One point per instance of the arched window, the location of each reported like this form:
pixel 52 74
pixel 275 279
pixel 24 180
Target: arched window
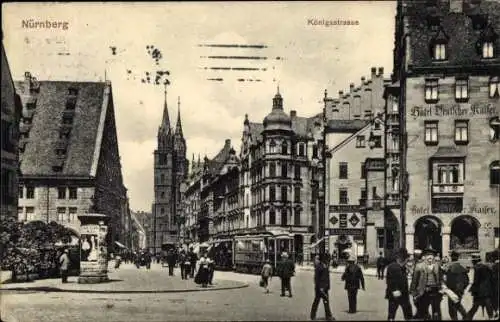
pixel 495 173
pixel 284 148
pixel 272 146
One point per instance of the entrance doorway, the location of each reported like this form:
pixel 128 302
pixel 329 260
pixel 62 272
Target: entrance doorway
pixel 428 234
pixel 464 233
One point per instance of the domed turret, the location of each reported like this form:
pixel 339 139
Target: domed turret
pixel 277 119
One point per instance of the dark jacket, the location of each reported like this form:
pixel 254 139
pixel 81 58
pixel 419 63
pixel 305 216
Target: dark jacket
pixel 380 261
pixel 353 277
pixel 321 277
pixel 482 287
pixel 457 278
pixel 286 268
pixel 396 280
pixel 419 278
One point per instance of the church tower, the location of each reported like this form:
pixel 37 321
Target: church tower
pixel 181 164
pixel 164 184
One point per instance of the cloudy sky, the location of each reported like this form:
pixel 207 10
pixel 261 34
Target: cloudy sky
pixel 301 55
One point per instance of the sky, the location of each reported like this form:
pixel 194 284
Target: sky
pixel 292 49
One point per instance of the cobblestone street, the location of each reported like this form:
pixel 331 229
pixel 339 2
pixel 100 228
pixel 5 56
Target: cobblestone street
pixel 248 303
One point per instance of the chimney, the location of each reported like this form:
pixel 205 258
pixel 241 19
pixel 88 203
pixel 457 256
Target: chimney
pixel 341 93
pixel 380 71
pixel 374 72
pixel 456 6
pixel 293 114
pixel 351 87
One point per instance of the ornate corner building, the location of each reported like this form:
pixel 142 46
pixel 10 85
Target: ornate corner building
pixel 170 171
pixel 443 116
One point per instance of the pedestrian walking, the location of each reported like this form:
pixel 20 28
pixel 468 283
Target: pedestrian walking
pixel 64 261
pixel 211 269
pixel 321 287
pixel 397 291
pixel 286 269
pixel 482 288
pixel 495 284
pixel 380 266
pixel 193 258
pixel 354 280
pixel 426 286
pixel 170 262
pixel 202 275
pixel 182 264
pixel 457 280
pixel 266 275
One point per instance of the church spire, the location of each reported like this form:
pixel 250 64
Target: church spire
pixel 178 127
pixel 165 123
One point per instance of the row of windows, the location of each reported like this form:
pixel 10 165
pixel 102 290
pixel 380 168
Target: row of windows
pixel 376 139
pixel 260 196
pixel 431 131
pixel 62 192
pixel 259 172
pixel 67 214
pixel 344 195
pixel 300 149
pixel 344 173
pixel 461 89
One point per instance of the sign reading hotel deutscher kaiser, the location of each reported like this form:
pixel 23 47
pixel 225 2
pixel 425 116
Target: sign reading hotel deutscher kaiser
pixel 461 110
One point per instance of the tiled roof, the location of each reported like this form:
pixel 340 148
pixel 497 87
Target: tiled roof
pixel 256 130
pixel 463 39
pixel 39 155
pixel 345 125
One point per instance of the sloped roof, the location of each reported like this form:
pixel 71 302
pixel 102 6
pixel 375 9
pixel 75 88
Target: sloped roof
pixel 256 130
pixel 363 129
pixel 39 155
pixel 343 126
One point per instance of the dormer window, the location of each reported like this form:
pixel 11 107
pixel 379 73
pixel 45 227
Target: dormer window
pixel 486 43
pixel 439 51
pixel 494 91
pixel 461 90
pixel 438 45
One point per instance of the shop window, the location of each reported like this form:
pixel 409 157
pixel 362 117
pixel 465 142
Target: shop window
pixel 431 132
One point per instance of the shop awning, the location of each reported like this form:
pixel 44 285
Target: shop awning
pixel 120 244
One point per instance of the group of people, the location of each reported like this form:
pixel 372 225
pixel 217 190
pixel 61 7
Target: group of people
pixel 431 280
pixel 285 270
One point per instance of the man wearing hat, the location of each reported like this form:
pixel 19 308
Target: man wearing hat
pixel 353 277
pixel 457 280
pixel 321 286
pixel 397 292
pixel 286 269
pixel 481 288
pixel 64 262
pixel 426 286
pixel 266 274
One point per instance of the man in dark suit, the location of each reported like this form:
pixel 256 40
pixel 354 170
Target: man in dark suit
pixel 286 269
pixel 353 277
pixel 321 287
pixel 397 291
pixel 380 266
pixel 457 280
pixel 481 288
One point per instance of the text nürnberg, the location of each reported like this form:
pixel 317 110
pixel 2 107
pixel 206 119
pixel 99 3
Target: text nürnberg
pixel 44 24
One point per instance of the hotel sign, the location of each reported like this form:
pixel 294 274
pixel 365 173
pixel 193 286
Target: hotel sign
pixel 460 110
pixel 485 210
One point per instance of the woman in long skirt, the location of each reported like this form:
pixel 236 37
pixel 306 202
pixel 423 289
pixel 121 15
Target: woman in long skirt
pixel 203 271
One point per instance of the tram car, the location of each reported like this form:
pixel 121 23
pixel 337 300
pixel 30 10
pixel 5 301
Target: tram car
pixel 222 254
pixel 250 251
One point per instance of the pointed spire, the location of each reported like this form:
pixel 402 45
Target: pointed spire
pixel 278 100
pixel 178 127
pixel 165 123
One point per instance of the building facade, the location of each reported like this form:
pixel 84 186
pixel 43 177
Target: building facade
pixel 69 156
pixel 145 224
pixel 447 68
pixel 349 192
pixel 11 114
pixel 170 171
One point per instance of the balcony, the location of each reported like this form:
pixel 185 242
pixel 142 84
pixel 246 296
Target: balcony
pixel 448 188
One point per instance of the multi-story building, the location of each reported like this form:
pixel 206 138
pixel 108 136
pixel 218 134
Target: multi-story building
pixel 11 114
pixel 145 220
pixel 170 170
pixel 281 177
pixel 192 203
pixel 138 234
pixel 354 135
pixel 447 68
pixel 69 156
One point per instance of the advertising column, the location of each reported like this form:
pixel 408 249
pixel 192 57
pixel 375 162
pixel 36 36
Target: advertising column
pixel 93 249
